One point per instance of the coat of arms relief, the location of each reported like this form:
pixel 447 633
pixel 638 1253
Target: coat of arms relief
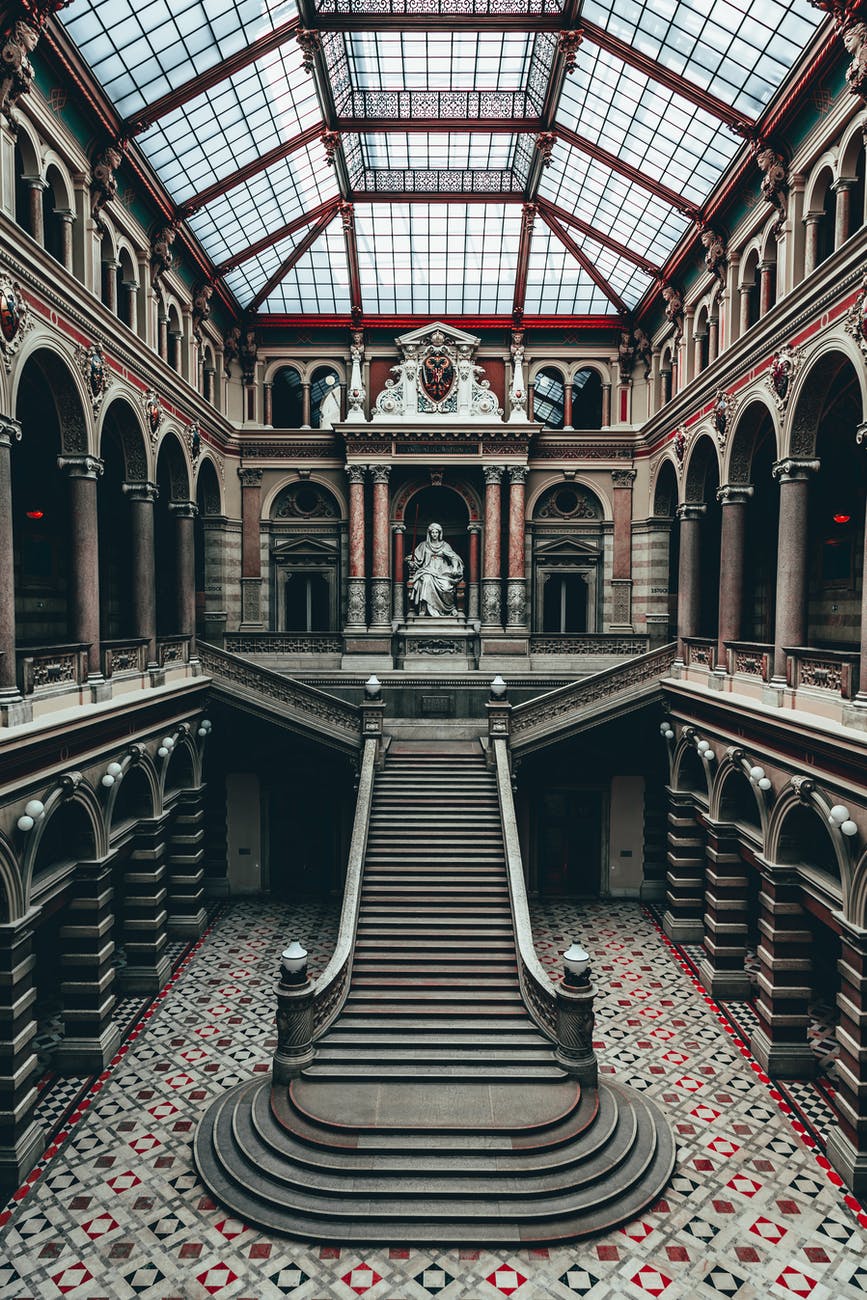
pixel 437 376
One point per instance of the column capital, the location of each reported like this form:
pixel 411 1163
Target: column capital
pixel 355 473
pixel 140 491
pixel 844 183
pixel 398 528
pixel 250 477
pixel 81 466
pixel 183 509
pixel 266 384
pixel 794 469
pixel 493 473
pixel 860 433
pixel 518 474
pixel 691 510
pixel 734 493
pixel 379 473
pixel 474 529
pixel 623 478
pixel 10 430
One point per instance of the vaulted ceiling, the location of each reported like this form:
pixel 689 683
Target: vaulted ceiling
pixel 380 154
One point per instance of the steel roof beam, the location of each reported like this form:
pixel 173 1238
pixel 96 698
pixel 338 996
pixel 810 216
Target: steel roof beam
pixel 528 220
pixel 275 236
pixel 613 245
pixel 252 168
pixel 583 261
pixel 306 242
pixel 626 170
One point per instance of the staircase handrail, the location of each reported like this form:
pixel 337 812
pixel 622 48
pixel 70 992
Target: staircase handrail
pixel 323 713
pixel 563 703
pixel 332 986
pixel 537 990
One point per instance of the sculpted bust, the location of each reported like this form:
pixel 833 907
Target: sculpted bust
pixel 435 571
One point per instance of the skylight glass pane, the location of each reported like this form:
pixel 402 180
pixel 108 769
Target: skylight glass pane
pixel 624 276
pixel 320 281
pixel 230 125
pixel 611 204
pixel 439 60
pixel 246 280
pixel 140 52
pixel 438 8
pixel 273 198
pixel 438 258
pixel 556 284
pixel 740 50
pixel 660 133
pixel 456 150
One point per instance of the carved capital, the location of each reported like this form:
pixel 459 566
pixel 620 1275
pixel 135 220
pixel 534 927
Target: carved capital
pixel 10 431
pixel 474 529
pixel 794 469
pixel 545 142
pixel 493 473
pixel 141 491
pixel 355 473
pixel 804 787
pixel 183 509
pixel 691 510
pixel 518 474
pixel 623 478
pixel 734 493
pixel 568 44
pixel 250 477
pixel 398 528
pixel 380 473
pixel 81 466
pixel 310 43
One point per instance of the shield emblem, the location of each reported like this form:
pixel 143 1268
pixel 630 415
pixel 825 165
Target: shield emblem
pixel 153 413
pixel 780 378
pixel 96 373
pixel 10 316
pixel 862 320
pixel 437 375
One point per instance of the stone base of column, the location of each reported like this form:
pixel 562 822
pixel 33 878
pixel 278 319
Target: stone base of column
pixel 157 676
pixel 14 709
pixel 726 985
pixel 652 891
pixel 492 618
pixel 17 1160
pixel 397 602
pixel 192 925
pixel 86 1055
pixel 143 979
pixel 682 929
pixel 99 689
pixel 783 1060
pixel 621 613
pixel 356 605
pixel 380 605
pixel 251 605
pixel 473 601
pixel 516 604
pixel 849 1162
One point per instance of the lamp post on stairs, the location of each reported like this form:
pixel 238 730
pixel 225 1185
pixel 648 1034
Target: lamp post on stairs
pixel 575 1018
pixel 294 1016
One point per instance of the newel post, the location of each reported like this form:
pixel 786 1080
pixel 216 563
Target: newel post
pixel 294 1016
pixel 576 1019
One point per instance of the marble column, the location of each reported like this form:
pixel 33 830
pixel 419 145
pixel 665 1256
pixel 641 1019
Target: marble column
pixel 665 383
pixel 698 353
pixel 780 1043
pixel 82 473
pixel 733 498
pixel 745 292
pixel 606 405
pixel 531 401
pixel 712 339
pixel 130 313
pixel 208 373
pixel 12 706
pixel 399 574
pixel 726 919
pixel 110 273
pixel 862 685
pixel 251 550
pixel 269 406
pixel 791 620
pixel 305 406
pixel 90 1036
pixel 474 531
pixel 147 966
pixel 492 576
pixel 683 920
pixel 847 1145
pixel 141 504
pixel 812 222
pixel 22 1141
pixel 689 572
pixel 516 590
pixel 567 405
pixel 163 337
pixel 185 541
pixel 35 189
pixel 186 852
pixel 66 220
pixel 621 615
pixel 766 284
pixel 356 601
pixel 174 357
pixel 380 577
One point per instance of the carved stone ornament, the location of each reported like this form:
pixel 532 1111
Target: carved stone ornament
pixel 202 307
pixel 724 409
pixel 437 376
pixel 17 70
pixel 194 441
pixel 781 372
pixel 103 185
pixel 804 787
pixel 95 372
pixel 715 255
pixel 673 308
pixel 231 347
pixel 161 257
pixel 856 318
pixel 643 349
pixel 153 414
pixel 775 179
pixel 849 19
pixel 15 318
pixel 681 442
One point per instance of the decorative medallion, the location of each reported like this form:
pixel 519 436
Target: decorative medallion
pixel 724 408
pixel 153 414
pixel 781 373
pixel 194 441
pixel 856 318
pixel 97 377
pixel 15 318
pixel 437 373
pixel 681 440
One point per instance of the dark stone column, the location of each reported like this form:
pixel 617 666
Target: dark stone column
pixel 187 916
pixel 82 473
pixel 847 1146
pixel 251 554
pixel 12 707
pixel 621 615
pixel 733 498
pixel 683 920
pixel 861 437
pixel 399 576
pixel 780 1044
pixel 474 531
pixel 791 624
pixel 21 1139
pixel 492 576
pixel 185 540
pixel 147 966
pixel 90 1036
pixel 726 918
pixel 141 504
pixel 689 572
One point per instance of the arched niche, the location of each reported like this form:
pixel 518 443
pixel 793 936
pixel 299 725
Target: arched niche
pixel 690 773
pixel 736 800
pixel 180 769
pixel 751 456
pixel 586 399
pixel 665 549
pixel 568 548
pixel 287 399
pixel 701 487
pixel 802 839
pixel 305 550
pixel 173 484
pixel 322 380
pixel 134 801
pixel 549 397
pixel 69 835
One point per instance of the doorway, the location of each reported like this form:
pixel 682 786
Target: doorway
pixel 569 843
pixel 565 604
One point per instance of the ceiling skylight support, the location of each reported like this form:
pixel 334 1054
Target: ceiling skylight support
pixel 528 219
pixel 249 169
pixel 347 213
pixel 626 169
pixel 276 236
pixel 613 245
pixel 294 257
pixel 583 260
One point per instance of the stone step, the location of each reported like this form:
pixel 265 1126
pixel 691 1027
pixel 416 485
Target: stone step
pixel 477 1071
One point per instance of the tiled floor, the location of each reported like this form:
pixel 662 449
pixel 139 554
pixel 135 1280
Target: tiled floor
pixel 116 1210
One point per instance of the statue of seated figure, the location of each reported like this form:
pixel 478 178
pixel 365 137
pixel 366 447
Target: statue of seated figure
pixel 434 571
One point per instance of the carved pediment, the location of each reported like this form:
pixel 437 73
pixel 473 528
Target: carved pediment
pixel 564 548
pixel 306 546
pixel 437 378
pixel 423 334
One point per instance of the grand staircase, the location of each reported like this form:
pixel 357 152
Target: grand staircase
pixel 434 1110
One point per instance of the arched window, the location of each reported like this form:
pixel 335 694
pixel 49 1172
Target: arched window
pixel 587 400
pixel 548 398
pixel 321 381
pixel 287 399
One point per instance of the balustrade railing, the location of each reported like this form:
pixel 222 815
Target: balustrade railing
pixel 589 643
pixel 700 652
pixel 172 650
pixel 834 671
pixel 46 669
pixel 123 657
pixel 749 659
pixel 283 643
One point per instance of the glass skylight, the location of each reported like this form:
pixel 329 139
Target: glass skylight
pixel 556 284
pixel 276 196
pixel 228 126
pixel 430 259
pixel 141 51
pixel 660 133
pixel 740 50
pixel 417 60
pixel 246 280
pixel 319 282
pixel 453 149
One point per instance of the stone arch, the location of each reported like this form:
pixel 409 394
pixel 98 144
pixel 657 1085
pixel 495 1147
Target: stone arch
pixel 799 822
pixel 688 772
pixel 134 797
pixel 597 500
pixel 66 387
pixel 734 799
pixel 182 768
pixel 172 460
pixel 750 258
pixel 738 460
pixel 856 907
pixel 851 148
pixel 459 486
pixel 209 487
pixel 701 462
pixel 664 498
pixel 812 390
pixel 769 242
pixel 11 883
pixel 75 801
pixel 59 181
pixel 269 498
pixel 27 141
pixel 121 418
pixel 820 181
pixel 287 502
pixel 599 367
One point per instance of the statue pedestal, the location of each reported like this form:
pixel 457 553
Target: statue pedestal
pixel 437 644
